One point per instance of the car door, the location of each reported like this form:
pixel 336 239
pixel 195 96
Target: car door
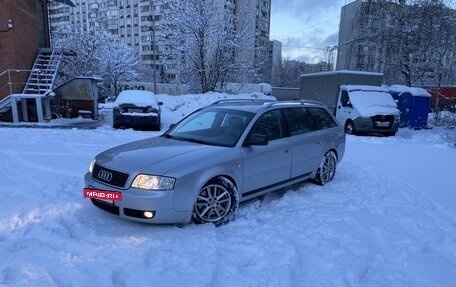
pixel 268 165
pixel 344 108
pixel 305 141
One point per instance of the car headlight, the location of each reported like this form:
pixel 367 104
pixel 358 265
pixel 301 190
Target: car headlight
pixel 153 182
pixel 151 110
pixel 92 164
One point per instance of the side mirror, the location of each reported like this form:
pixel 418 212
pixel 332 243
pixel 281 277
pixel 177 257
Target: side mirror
pixel 256 139
pixel 160 103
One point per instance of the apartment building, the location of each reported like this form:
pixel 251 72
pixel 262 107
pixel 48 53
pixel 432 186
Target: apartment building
pixel 137 23
pixel 275 60
pixel 372 37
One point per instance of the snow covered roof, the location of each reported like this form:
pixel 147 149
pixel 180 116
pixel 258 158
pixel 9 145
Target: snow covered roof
pixel 342 72
pixel 414 91
pixel 364 88
pixel 136 97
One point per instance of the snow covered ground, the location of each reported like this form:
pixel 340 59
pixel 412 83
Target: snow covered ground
pixel 387 219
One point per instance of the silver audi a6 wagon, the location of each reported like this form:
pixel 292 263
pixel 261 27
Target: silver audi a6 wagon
pixel 218 156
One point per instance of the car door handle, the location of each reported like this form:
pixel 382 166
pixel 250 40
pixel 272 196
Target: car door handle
pixel 287 151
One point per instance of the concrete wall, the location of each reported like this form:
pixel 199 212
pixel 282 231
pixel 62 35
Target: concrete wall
pixel 283 94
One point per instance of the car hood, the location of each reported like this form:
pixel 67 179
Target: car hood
pixel 155 155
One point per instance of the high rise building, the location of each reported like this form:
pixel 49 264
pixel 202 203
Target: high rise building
pixel 409 44
pixel 275 61
pixel 136 22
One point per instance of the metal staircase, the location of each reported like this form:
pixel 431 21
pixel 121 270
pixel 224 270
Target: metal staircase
pixel 44 71
pixel 5 104
pixel 39 86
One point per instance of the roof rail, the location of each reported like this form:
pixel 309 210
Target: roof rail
pixel 244 101
pixel 297 102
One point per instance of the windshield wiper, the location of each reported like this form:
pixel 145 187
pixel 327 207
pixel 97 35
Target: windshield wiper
pixel 167 136
pixel 192 140
pixel 186 139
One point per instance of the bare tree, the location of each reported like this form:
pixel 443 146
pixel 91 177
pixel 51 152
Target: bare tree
pixel 118 63
pixel 97 53
pixel 418 38
pixel 288 74
pixel 208 38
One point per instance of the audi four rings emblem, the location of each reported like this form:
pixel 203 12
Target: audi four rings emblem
pixel 104 175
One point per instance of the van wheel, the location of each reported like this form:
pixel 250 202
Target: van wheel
pixel 327 168
pixel 217 202
pixel 349 127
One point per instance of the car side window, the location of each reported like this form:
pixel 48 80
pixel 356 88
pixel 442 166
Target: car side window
pixel 322 118
pixel 299 121
pixel 270 124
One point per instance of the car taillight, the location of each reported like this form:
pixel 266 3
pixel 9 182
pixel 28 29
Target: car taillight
pixel 121 109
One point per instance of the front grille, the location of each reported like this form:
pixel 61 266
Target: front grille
pixel 109 176
pixel 382 122
pixel 106 206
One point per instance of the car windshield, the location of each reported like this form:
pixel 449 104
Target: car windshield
pixel 219 127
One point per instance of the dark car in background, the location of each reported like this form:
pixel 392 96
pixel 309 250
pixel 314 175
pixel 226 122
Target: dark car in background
pixel 136 109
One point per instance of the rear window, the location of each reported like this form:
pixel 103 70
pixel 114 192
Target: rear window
pixel 299 121
pixel 137 98
pixel 322 118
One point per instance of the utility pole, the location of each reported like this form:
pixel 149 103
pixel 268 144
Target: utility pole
pixel 152 2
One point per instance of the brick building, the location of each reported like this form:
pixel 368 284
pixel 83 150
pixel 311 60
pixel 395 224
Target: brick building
pixel 23 29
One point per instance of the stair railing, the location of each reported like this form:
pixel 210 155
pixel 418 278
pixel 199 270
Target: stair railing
pixel 9 80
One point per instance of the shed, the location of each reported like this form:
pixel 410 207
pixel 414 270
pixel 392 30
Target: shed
pixel 413 104
pixel 78 97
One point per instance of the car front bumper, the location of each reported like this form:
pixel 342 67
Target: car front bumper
pixel 136 120
pixel 136 201
pixel 366 125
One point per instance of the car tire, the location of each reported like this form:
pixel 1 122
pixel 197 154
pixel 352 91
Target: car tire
pixel 216 203
pixel 350 128
pixel 115 126
pixel 326 169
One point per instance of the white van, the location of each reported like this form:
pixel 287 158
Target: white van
pixel 368 109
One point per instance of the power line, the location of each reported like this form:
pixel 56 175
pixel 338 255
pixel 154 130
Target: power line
pixel 303 47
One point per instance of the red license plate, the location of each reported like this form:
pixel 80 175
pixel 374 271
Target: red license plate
pixel 104 195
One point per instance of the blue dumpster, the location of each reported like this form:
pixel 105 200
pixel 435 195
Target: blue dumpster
pixel 413 104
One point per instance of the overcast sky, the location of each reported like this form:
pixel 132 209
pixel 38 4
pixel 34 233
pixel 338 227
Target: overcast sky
pixel 305 27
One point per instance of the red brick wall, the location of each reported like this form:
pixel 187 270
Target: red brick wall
pixel 18 46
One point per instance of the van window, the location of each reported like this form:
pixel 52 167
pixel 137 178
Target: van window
pixel 322 118
pixel 299 121
pixel 345 99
